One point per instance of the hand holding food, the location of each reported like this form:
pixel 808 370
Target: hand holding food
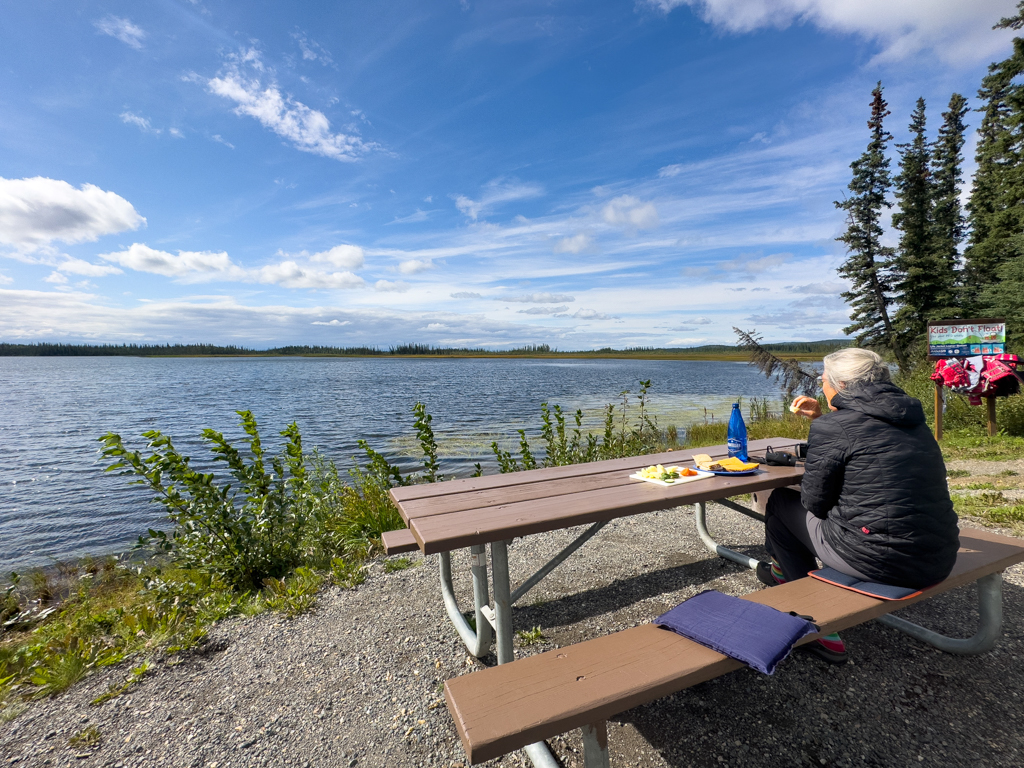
pixel 806 406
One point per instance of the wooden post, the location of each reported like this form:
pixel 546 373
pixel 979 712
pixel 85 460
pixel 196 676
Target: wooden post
pixel 991 403
pixel 938 410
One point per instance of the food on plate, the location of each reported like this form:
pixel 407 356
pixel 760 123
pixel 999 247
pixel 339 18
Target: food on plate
pixel 665 474
pixel 731 464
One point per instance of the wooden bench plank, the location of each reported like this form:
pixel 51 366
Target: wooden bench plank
pixel 397 541
pixel 503 708
pixel 445 532
pixel 463 485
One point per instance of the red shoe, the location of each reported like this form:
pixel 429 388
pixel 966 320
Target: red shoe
pixel 829 648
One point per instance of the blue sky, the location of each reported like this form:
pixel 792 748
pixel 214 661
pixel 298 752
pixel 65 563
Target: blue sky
pixel 483 174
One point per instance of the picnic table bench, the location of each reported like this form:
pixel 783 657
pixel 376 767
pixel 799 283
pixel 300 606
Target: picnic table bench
pixel 507 707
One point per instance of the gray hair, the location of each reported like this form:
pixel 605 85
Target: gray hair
pixel 852 366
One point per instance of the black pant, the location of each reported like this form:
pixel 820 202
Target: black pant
pixel 794 537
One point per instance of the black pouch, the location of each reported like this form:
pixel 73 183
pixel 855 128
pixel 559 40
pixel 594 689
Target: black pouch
pixel 779 459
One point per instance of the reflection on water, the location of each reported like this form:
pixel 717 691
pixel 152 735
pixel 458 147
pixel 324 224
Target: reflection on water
pixel 55 500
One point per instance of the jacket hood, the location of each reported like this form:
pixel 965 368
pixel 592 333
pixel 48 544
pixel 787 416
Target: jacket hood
pixel 881 400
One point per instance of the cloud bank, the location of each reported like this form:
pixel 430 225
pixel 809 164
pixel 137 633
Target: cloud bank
pixel 35 212
pixel 955 30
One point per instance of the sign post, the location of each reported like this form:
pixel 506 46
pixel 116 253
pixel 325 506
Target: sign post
pixel 965 338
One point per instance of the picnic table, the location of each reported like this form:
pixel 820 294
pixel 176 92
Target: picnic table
pixel 490 511
pixel 507 707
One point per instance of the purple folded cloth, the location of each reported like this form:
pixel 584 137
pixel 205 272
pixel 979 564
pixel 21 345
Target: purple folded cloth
pixel 755 634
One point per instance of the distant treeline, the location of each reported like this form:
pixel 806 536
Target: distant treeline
pixel 800 348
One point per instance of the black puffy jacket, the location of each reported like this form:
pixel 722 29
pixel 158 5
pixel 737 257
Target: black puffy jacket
pixel 875 475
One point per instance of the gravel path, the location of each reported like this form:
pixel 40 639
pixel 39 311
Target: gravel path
pixel 357 682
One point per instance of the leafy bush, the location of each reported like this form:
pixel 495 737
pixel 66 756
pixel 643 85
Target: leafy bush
pixel 295 595
pixel 243 537
pixel 1010 415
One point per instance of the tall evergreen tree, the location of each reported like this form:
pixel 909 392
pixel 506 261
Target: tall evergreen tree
pixel 996 207
pixel 948 224
pixel 917 281
pixel 868 262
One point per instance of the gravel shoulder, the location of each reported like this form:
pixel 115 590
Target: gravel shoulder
pixel 357 682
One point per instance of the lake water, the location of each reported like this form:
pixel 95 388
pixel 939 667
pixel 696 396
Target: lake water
pixel 56 502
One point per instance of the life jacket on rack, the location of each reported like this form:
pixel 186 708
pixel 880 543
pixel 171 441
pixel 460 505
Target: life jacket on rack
pixel 980 376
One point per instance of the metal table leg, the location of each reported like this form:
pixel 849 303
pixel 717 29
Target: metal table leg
pixel 478 641
pixel 702 528
pixel 538 752
pixel 990 609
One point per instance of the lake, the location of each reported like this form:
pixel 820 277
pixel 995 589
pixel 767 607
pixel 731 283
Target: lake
pixel 56 502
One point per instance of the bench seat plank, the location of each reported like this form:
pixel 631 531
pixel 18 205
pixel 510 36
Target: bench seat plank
pixel 503 708
pixel 398 541
pixel 454 530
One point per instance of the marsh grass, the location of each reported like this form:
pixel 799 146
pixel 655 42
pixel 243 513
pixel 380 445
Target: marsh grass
pixel 991 506
pixel 398 564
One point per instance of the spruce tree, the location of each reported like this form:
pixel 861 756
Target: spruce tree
pixel 917 279
pixel 996 207
pixel 868 262
pixel 948 224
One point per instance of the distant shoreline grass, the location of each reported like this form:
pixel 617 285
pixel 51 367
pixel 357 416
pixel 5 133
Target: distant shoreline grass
pixel 805 351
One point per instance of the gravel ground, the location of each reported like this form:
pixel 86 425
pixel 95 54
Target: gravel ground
pixel 358 681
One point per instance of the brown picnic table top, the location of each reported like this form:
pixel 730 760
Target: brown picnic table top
pixel 479 510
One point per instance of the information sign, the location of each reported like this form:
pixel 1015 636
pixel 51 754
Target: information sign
pixel 964 338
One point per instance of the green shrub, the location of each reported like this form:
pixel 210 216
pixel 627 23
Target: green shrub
pixel 244 536
pixel 293 596
pixel 1010 415
pixel 347 574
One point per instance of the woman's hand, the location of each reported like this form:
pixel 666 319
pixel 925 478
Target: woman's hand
pixel 806 406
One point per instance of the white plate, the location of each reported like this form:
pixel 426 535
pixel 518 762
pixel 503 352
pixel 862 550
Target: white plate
pixel 701 474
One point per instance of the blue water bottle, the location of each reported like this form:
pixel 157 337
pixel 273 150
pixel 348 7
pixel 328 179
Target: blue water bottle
pixel 737 435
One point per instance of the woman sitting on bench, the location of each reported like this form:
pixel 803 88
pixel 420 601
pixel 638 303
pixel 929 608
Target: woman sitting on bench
pixel 874 502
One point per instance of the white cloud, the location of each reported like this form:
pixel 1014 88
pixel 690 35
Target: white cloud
pixel 308 129
pixel 193 265
pixel 176 133
pixel 387 286
pixel 142 123
pixel 291 275
pixel 466 295
pixel 341 256
pixel 37 211
pixel 754 265
pixel 56 278
pixel 590 314
pixel 543 310
pixel 217 137
pixel 336 323
pixel 575 244
pixel 630 212
pixel 415 266
pixel 669 171
pixel 829 288
pixel 122 29
pixel 312 50
pixel 205 266
pixel 538 298
pixel 955 30
pixel 82 267
pixel 5 279
pixel 494 193
pixel 412 218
